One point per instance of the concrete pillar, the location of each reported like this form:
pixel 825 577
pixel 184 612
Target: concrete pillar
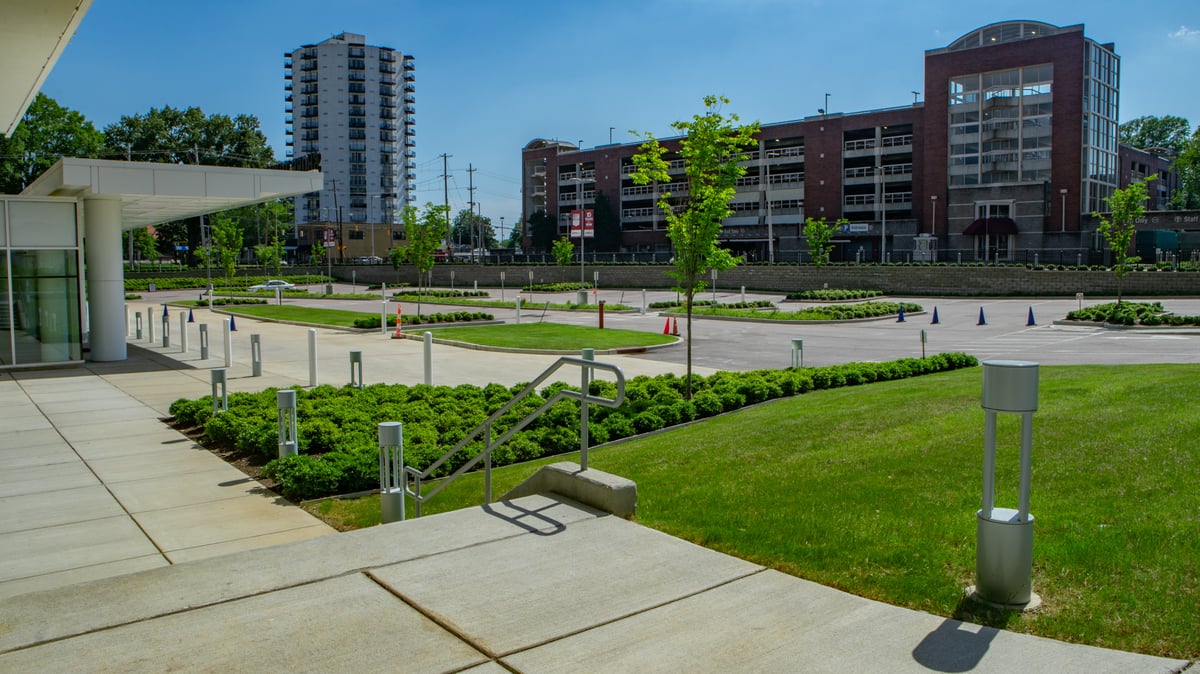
pixel 105 278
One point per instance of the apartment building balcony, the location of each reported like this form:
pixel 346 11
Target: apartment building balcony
pixel 387 68
pixel 287 107
pixel 308 66
pixel 410 98
pixel 309 113
pixel 310 53
pixel 410 110
pixel 412 165
pixel 410 142
pixel 410 153
pixel 308 77
pixel 409 76
pixel 387 55
pixel 410 131
pixel 410 63
pixel 356 76
pixel 310 148
pixel 387 90
pixel 287 61
pixel 287 86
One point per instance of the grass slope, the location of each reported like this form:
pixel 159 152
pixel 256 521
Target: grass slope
pixel 874 489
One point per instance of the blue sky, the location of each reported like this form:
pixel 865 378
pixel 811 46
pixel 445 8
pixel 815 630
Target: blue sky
pixel 493 75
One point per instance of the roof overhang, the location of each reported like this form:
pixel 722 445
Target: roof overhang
pixel 32 36
pixel 989 226
pixel 153 193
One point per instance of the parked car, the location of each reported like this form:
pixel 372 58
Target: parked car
pixel 272 285
pixel 368 259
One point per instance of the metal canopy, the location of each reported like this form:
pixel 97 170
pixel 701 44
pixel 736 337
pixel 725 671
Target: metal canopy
pixel 33 35
pixel 152 193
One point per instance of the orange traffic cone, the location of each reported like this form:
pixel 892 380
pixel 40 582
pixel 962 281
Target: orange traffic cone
pixel 399 320
pixel 667 326
pixel 675 330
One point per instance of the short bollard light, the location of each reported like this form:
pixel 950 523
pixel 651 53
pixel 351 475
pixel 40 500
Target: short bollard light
pixel 220 390
pixel 137 320
pixel 204 341
pixel 518 309
pixel 356 369
pixel 255 355
pixel 391 471
pixel 150 326
pixel 166 336
pixel 428 359
pixel 1004 537
pixel 797 352
pixel 289 445
pixel 312 356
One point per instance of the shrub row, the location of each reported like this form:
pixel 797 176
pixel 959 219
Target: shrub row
pixel 829 312
pixel 432 292
pixel 412 319
pixel 753 304
pixel 1131 313
pixel 557 287
pixel 338 426
pixel 834 295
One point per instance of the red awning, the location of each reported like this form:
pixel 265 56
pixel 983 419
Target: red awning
pixel 990 226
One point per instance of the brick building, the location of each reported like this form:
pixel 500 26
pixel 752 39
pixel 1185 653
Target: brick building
pixel 1014 145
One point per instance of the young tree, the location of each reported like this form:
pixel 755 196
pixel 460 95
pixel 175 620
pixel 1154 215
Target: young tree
pixel 820 238
pixel 317 253
pixel 145 245
pixel 563 250
pixel 47 133
pixel 424 233
pixel 226 244
pixel 1125 207
pixel 712 146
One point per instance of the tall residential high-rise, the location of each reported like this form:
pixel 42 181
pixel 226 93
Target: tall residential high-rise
pixel 354 106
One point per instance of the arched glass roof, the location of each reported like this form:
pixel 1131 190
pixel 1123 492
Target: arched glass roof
pixel 1006 31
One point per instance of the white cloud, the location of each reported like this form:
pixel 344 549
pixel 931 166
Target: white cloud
pixel 1185 33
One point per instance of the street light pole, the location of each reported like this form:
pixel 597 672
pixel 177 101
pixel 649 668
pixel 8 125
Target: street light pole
pixel 582 238
pixel 1063 208
pixel 933 218
pixel 883 215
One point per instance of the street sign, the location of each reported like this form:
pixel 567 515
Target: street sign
pixel 329 240
pixel 181 247
pixel 589 224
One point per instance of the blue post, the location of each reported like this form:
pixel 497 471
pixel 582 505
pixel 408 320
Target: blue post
pixel 1030 321
pixel 982 320
pixel 935 320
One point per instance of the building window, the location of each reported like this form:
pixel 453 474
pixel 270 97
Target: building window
pixel 999 126
pixel 356 234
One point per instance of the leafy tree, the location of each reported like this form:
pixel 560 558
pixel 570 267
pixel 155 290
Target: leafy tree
pixel 46 133
pixel 563 250
pixel 1125 207
pixel 317 253
pixel 1187 165
pixel 712 146
pixel 467 226
pixel 1169 132
pixel 542 231
pixel 226 244
pixel 145 245
pixel 820 238
pixel 424 234
pixel 188 136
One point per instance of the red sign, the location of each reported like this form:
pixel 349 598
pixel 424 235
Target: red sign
pixel 329 242
pixel 589 224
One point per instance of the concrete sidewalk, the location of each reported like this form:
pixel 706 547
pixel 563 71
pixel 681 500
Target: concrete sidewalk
pixel 537 584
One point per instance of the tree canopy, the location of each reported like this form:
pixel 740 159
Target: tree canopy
pixel 466 230
pixel 188 136
pixel 542 231
pixel 1187 165
pixel 712 147
pixel 1148 132
pixel 46 132
pixel 1125 206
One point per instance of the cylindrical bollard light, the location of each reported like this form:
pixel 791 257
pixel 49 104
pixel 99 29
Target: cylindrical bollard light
pixel 255 355
pixel 1004 536
pixel 150 325
pixel 518 309
pixel 429 359
pixel 391 471
pixel 289 444
pixel 797 352
pixel 643 300
pixel 743 294
pixel 383 314
pixel 228 341
pixel 312 357
pixel 220 390
pixel 204 341
pixel 137 320
pixel 166 336
pixel 356 369
pixel 183 336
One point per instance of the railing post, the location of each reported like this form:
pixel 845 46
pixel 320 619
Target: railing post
pixel 288 442
pixel 585 381
pixel 391 472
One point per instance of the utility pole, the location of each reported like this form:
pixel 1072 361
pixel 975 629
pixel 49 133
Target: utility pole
pixel 446 197
pixel 471 205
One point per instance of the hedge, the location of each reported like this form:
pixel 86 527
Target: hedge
pixel 413 319
pixel 338 426
pixel 834 295
pixel 1131 313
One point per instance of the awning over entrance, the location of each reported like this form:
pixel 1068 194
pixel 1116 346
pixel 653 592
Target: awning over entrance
pixel 152 193
pixel 991 227
pixel 32 37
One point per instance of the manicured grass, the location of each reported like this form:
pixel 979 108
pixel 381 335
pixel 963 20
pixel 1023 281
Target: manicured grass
pixel 874 489
pixel 830 312
pixel 497 304
pixel 552 336
pixel 332 317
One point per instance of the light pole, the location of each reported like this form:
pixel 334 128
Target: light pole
pixel 1063 209
pixel 883 215
pixel 933 218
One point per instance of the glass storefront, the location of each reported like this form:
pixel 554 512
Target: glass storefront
pixel 39 283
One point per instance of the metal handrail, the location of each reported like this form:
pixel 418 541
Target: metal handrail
pixel 585 398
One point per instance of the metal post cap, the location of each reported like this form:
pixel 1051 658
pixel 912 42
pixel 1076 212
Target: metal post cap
pixel 286 398
pixel 391 434
pixel 1010 386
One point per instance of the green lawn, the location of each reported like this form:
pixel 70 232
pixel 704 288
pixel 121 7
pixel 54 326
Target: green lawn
pixel 553 336
pixel 507 304
pixel 332 317
pixel 873 490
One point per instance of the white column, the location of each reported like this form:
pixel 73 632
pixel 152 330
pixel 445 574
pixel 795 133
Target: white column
pixel 105 278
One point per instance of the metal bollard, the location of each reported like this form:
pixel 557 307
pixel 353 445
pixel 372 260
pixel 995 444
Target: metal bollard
pixel 183 336
pixel 137 320
pixel 391 471
pixel 255 355
pixel 1004 537
pixel 166 337
pixel 643 301
pixel 797 352
pixel 518 309
pixel 220 390
pixel 150 326
pixel 288 443
pixel 356 369
pixel 743 294
pixel 204 341
pixel 312 356
pixel 227 339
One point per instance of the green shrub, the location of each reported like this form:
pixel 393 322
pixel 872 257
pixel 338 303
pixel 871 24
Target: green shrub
pixel 833 295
